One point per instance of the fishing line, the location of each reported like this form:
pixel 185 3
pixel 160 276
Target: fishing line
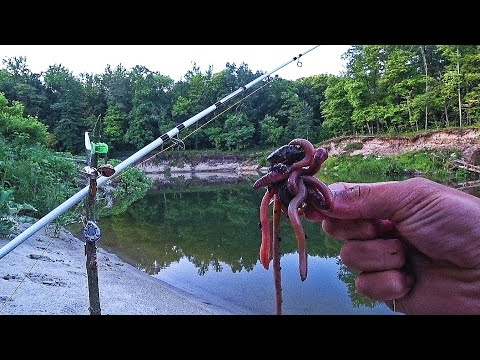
pixel 76 198
pixel 177 141
pixel 197 129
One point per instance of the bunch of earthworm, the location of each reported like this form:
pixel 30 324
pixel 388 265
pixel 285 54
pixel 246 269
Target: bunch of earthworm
pixel 291 184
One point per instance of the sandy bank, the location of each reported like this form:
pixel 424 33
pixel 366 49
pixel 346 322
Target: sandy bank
pixel 57 283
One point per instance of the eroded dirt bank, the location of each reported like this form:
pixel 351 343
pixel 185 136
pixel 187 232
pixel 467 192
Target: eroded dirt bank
pixel 465 140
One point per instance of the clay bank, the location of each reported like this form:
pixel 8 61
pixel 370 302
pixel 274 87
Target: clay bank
pixel 178 165
pixel 467 140
pixel 203 169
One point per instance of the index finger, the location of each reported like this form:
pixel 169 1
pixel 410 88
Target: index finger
pixel 382 200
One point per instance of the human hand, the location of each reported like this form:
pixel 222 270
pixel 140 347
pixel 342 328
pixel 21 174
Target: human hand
pixel 414 241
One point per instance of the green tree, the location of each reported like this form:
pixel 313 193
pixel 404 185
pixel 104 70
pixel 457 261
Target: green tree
pixel 470 65
pixel 270 131
pixel 238 132
pixel 150 106
pixel 113 127
pixel 18 83
pixel 312 91
pixel 118 91
pixel 366 65
pixel 295 115
pixel 15 126
pixel 216 137
pixel 401 82
pixel 191 96
pixel 388 88
pixel 95 98
pixel 67 101
pixel 337 109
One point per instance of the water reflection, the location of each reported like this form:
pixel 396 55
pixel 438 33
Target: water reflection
pixel 277 255
pixel 215 231
pixel 205 239
pixel 207 226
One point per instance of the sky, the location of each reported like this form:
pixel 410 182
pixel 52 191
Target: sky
pixel 176 60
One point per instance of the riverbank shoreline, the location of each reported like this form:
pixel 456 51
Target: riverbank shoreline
pixel 46 275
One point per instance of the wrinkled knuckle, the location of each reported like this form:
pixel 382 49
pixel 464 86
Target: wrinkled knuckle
pixel 348 254
pixel 362 285
pixel 329 227
pixel 395 285
pixel 371 231
pixel 405 286
pixel 393 256
pixel 398 284
pixel 398 254
pixel 419 183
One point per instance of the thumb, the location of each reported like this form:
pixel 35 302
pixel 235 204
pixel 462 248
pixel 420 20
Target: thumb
pixel 391 200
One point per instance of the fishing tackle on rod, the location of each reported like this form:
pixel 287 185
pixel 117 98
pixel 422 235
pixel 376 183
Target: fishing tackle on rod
pixel 65 206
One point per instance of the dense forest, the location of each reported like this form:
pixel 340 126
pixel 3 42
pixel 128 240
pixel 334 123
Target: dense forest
pixel 383 89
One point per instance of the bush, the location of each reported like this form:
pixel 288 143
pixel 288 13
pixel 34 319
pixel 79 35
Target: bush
pixel 125 189
pixel 25 129
pixel 10 212
pixel 38 175
pixel 43 178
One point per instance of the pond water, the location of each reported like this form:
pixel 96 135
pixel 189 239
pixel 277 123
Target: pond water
pixel 205 240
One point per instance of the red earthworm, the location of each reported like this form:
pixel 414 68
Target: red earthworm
pixel 309 152
pixel 293 207
pixel 266 246
pixel 312 181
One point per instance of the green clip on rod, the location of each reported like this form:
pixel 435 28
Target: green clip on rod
pixel 134 158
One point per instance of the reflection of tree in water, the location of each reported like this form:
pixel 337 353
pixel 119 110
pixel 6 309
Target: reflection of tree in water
pixel 202 269
pixel 348 277
pixel 213 227
pixel 210 228
pixel 203 266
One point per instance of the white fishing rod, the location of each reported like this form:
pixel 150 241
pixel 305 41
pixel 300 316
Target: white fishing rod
pixel 59 210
